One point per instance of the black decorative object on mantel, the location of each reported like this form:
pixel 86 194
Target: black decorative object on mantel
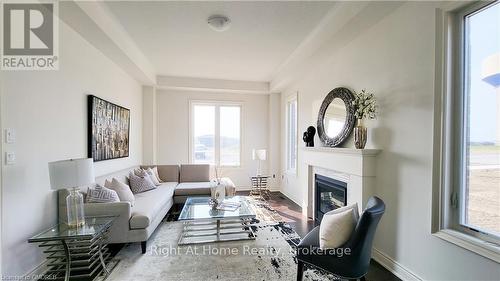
pixel 309 136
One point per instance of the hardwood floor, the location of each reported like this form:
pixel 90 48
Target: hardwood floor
pixel 292 214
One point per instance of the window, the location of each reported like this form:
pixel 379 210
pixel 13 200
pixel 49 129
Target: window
pixel 467 178
pixel 291 118
pixel 229 135
pixel 479 145
pixel 215 133
pixel 204 134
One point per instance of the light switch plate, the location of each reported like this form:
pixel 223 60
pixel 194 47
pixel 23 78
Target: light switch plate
pixel 10 158
pixel 10 136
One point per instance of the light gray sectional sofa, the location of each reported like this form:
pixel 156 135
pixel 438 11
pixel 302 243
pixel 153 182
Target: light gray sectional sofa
pixel 136 223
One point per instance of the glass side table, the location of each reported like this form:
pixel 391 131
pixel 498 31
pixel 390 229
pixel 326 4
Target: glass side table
pixel 76 253
pixel 259 187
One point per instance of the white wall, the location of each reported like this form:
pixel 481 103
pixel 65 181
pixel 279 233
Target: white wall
pixel 47 109
pixel 149 125
pixel 173 130
pixel 274 153
pixel 394 58
pixel 1 171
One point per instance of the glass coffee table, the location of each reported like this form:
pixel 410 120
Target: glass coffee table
pixel 205 224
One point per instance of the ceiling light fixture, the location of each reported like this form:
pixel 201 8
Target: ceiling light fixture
pixel 219 23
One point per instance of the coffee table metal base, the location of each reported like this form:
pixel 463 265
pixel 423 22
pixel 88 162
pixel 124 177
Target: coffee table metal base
pixel 220 230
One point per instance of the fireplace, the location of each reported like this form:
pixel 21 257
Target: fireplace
pixel 330 194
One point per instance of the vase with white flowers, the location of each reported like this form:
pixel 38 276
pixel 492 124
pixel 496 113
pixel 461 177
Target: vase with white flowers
pixel 365 107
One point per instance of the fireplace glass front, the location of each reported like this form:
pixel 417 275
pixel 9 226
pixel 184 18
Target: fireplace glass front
pixel 330 195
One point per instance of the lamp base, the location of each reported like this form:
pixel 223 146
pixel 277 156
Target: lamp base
pixel 74 207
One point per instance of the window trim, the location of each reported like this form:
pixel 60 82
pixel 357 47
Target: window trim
pixel 217 104
pixel 291 99
pixel 449 74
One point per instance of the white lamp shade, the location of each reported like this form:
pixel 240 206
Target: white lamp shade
pixel 259 154
pixel 71 173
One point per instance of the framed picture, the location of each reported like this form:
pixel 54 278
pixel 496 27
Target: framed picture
pixel 108 130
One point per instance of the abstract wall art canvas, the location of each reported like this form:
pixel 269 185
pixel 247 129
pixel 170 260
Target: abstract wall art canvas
pixel 108 130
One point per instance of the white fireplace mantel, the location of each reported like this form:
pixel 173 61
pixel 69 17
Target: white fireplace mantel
pixel 356 167
pixel 354 151
pixel 353 161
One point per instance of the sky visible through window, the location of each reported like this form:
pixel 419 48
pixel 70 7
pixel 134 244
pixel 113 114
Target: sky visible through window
pixel 205 124
pixel 484 30
pixel 204 120
pixel 482 190
pixel 216 132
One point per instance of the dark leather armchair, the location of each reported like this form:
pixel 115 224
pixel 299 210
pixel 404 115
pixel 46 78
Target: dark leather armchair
pixel 352 265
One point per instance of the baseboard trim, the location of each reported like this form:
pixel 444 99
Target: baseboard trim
pixel 393 266
pixel 247 188
pixel 289 198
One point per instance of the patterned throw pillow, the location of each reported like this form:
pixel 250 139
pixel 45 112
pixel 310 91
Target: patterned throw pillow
pixel 153 177
pixel 140 173
pixel 140 184
pixel 101 194
pixel 123 190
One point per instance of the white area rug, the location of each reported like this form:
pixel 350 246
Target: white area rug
pixel 269 257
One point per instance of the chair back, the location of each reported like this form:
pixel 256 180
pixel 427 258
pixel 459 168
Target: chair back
pixel 362 239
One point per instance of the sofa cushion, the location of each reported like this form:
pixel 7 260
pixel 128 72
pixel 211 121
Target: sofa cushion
pixel 148 204
pixel 194 188
pixel 167 173
pixel 195 173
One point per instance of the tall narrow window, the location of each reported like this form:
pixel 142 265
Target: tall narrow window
pixel 215 133
pixel 479 193
pixel 204 134
pixel 292 135
pixel 229 135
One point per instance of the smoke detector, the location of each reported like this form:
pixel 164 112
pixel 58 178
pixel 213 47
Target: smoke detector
pixel 219 23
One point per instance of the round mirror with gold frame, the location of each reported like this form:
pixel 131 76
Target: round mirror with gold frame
pixel 336 117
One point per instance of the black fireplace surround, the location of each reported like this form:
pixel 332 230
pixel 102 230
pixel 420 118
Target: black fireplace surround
pixel 330 195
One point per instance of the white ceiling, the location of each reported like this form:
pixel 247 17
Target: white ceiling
pixel 175 38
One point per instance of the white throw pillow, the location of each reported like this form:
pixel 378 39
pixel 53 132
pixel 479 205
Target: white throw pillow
pixel 337 226
pixel 153 177
pixel 155 171
pixel 123 190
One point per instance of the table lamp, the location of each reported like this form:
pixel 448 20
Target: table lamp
pixel 260 155
pixel 72 174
